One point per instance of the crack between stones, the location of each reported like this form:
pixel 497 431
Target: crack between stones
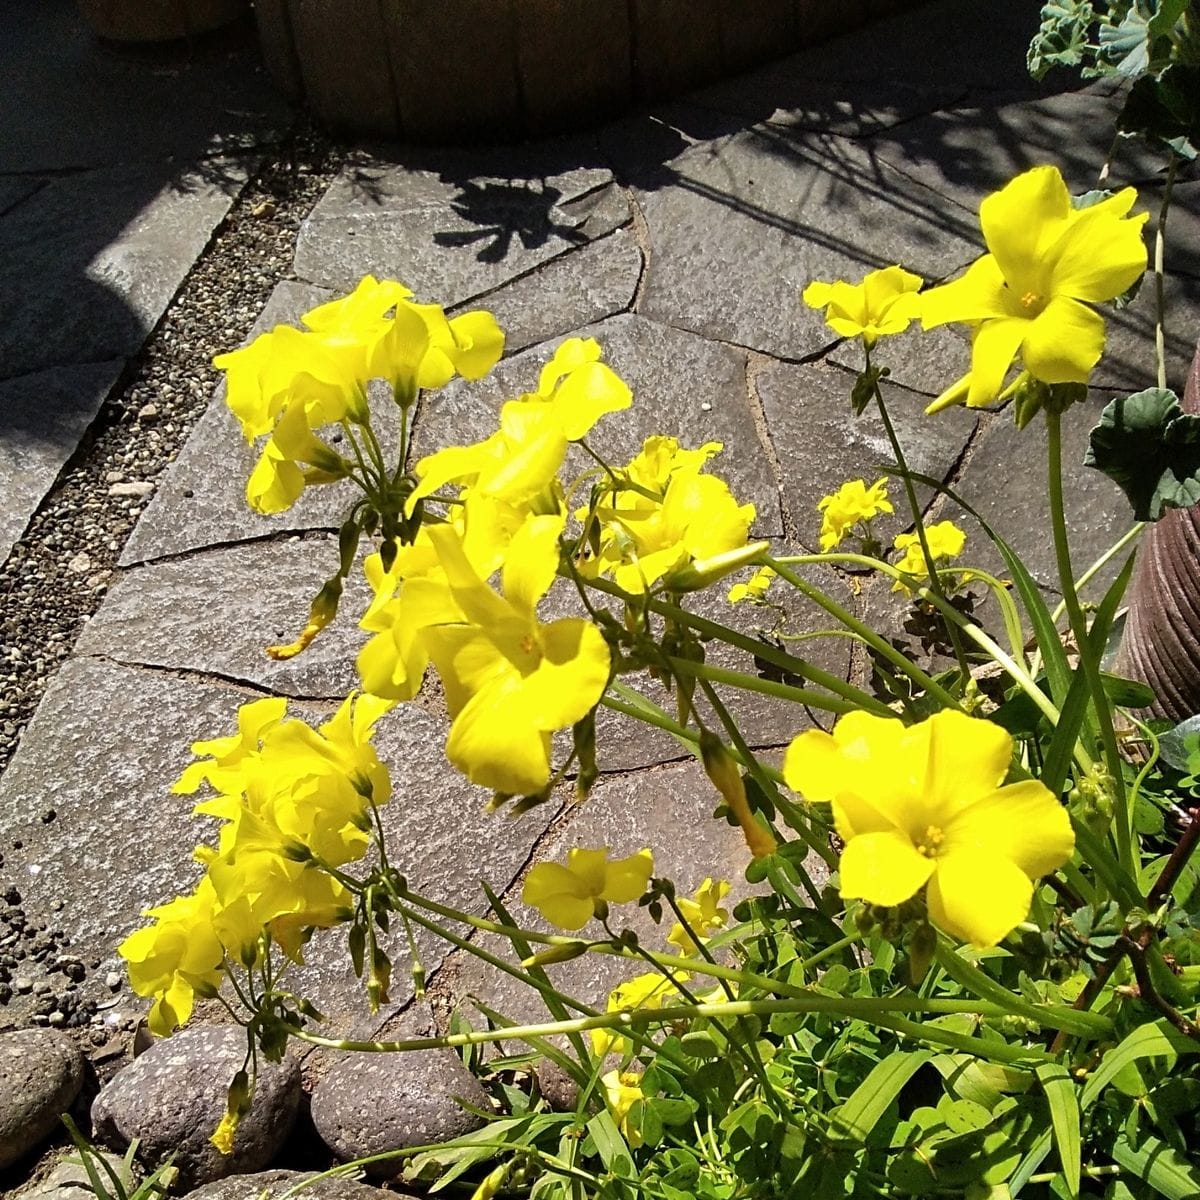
pixel 313 534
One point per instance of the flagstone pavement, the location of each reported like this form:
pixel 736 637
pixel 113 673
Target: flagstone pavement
pixel 678 237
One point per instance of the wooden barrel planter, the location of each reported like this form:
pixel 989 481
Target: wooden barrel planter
pixel 158 20
pixel 469 70
pixel 1161 646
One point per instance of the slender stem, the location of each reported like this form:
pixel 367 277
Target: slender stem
pixel 1160 329
pixel 765 687
pixel 918 516
pixel 877 643
pixel 764 650
pixel 1087 658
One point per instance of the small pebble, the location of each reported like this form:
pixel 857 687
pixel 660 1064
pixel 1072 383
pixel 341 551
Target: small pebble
pixel 112 981
pixel 137 487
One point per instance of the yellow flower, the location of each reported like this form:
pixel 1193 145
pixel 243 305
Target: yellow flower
pixel 567 896
pixel 923 807
pixel 510 680
pixel 1030 295
pixel 622 1090
pixel 518 462
pixel 755 588
pixel 703 913
pixel 945 540
pixel 673 522
pixel 883 303
pixel 292 458
pixel 851 504
pixel 176 958
pixel 223 1136
pixel 651 990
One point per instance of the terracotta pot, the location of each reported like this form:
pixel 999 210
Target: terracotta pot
pixel 1162 632
pixel 158 20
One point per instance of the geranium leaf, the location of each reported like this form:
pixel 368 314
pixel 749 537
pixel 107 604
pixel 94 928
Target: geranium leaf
pixel 1150 448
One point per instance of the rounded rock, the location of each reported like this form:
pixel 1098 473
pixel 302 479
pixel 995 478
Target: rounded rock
pixel 370 1103
pixel 267 1185
pixel 41 1072
pixel 172 1098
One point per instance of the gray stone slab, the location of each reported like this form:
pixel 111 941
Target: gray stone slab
pixel 1005 481
pixel 453 225
pixel 738 227
pixel 178 614
pixel 42 418
pixel 786 93
pixel 90 267
pixel 683 386
pixel 16 188
pixel 102 751
pixel 1182 250
pixel 669 810
pixel 821 444
pixel 72 100
pixel 966 153
pixel 578 288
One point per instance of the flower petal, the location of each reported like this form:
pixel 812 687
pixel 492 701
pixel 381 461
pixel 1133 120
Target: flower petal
pixel 626 878
pixel 571 677
pixel 531 562
pixel 993 349
pixel 1022 221
pixel 1064 342
pixel 496 746
pixel 955 760
pixel 981 294
pixel 882 868
pixel 1023 823
pixel 978 896
pixel 1100 254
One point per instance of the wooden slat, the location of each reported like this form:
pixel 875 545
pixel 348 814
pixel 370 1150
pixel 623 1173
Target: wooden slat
pixel 676 45
pixel 755 31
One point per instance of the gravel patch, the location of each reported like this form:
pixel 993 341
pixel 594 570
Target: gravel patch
pixel 58 573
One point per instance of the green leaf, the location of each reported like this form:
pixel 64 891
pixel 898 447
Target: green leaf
pixel 1166 109
pixel 1180 747
pixel 1062 38
pixel 1061 1095
pixel 1157 1039
pixel 866 1106
pixel 1164 1169
pixel 863 391
pixel 1149 447
pixel 610 1145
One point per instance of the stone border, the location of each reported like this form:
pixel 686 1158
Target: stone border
pixel 470 70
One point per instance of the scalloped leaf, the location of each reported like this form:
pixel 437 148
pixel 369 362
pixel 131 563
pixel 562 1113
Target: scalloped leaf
pixel 1149 447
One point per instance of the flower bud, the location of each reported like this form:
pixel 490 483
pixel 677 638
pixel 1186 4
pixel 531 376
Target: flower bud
pixel 726 776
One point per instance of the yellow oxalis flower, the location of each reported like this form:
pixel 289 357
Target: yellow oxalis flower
pixel 924 807
pixel 651 990
pixel 1030 295
pixel 853 503
pixel 704 914
pixel 510 680
pixel 755 588
pixel 522 458
pixel 567 896
pixel 176 958
pixel 674 520
pixel 883 303
pixel 945 540
pixel 622 1090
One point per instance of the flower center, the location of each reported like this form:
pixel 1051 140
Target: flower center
pixel 1031 300
pixel 931 842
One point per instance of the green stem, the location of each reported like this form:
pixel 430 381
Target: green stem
pixel 918 522
pixel 1087 657
pixel 882 1012
pixel 877 643
pixel 764 650
pixel 765 687
pixel 1160 329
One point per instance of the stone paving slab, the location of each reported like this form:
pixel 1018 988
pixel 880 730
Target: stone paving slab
pixel 180 613
pixel 596 281
pixel 668 810
pixel 453 226
pixel 123 240
pixel 683 386
pixel 821 444
pixel 119 841
pixel 42 418
pixel 738 227
pixel 78 101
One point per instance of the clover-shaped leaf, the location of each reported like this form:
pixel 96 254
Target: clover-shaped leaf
pixel 1150 448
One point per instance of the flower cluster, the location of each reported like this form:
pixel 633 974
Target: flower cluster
pixel 292 802
pixel 851 507
pixel 945 541
pixel 291 383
